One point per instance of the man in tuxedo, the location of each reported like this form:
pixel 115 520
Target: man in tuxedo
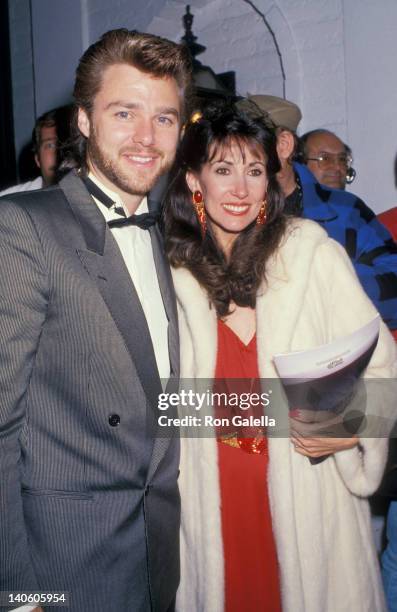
pixel 88 339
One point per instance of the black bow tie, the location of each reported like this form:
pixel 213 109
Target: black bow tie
pixel 144 221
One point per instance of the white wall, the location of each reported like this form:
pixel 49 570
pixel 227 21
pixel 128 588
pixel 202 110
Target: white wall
pixel 105 15
pixel 310 37
pixel 371 86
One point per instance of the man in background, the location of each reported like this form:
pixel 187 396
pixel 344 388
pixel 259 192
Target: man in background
pixel 327 157
pixel 50 132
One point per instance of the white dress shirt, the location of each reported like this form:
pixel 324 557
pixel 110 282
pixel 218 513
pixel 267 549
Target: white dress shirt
pixel 37 183
pixel 136 248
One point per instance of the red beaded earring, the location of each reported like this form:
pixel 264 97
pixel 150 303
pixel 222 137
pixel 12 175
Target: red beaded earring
pixel 262 216
pixel 200 210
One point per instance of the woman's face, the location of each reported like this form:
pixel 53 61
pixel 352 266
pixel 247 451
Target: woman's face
pixel 233 184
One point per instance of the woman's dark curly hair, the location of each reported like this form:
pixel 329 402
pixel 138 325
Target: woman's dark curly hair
pixel 238 277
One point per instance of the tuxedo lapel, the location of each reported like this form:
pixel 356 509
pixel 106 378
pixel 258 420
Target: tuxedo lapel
pixel 168 296
pixel 104 262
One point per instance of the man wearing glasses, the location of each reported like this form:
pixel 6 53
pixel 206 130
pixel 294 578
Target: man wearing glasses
pixel 328 158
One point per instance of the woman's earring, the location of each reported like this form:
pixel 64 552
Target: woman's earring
pixel 262 216
pixel 200 210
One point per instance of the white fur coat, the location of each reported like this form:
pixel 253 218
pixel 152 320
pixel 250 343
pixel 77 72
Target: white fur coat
pixel 320 513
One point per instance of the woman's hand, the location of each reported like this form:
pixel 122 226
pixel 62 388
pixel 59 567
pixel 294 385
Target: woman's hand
pixel 323 438
pixel 319 447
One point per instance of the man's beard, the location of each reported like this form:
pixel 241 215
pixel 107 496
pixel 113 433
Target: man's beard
pixel 135 183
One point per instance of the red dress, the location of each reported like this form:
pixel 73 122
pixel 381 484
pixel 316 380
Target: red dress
pixel 251 568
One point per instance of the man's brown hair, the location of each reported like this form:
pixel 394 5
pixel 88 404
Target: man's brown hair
pixel 151 54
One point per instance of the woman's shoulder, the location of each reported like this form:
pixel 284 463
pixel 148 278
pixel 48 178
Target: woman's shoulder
pixel 304 234
pixel 183 277
pixel 304 248
pixel 187 288
pixel 298 229
pixel 302 237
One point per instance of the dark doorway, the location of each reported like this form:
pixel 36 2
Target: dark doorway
pixel 8 175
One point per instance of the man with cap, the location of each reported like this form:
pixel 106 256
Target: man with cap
pixel 343 215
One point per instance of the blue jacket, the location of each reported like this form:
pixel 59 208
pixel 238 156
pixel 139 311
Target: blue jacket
pixel 368 243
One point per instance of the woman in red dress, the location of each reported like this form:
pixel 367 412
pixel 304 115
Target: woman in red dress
pixel 247 544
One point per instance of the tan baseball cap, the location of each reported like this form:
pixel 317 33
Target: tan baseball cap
pixel 283 113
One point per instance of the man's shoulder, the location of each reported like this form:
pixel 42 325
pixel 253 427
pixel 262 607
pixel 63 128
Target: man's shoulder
pixel 32 185
pixel 39 205
pixel 343 203
pixel 48 197
pixel 352 209
pixel 50 214
pixel 344 198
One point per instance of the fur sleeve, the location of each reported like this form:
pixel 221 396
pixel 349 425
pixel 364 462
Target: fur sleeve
pixel 361 468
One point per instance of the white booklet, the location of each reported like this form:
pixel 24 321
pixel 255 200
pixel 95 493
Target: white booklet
pixel 321 383
pixel 327 359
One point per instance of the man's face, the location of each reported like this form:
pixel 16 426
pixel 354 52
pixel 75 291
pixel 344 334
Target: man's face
pixel 46 156
pixel 331 171
pixel 133 129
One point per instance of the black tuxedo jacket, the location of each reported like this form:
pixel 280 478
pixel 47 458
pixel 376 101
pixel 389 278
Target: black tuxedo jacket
pixel 89 498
